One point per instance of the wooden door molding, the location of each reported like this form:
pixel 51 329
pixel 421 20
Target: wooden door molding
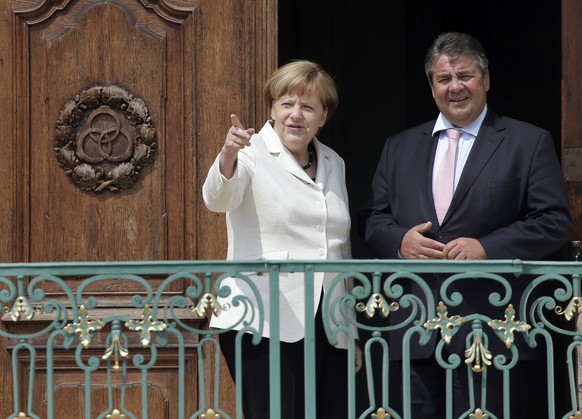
pixel 36 11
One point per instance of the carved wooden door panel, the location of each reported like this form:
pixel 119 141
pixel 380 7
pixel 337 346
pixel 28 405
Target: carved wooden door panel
pixel 112 111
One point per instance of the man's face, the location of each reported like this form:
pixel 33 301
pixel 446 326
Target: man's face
pixel 459 88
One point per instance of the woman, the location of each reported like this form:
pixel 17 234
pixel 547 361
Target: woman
pixel 285 197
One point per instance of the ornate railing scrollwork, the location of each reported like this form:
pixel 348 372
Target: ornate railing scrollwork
pixel 391 320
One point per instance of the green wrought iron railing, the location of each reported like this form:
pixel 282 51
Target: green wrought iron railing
pixel 51 309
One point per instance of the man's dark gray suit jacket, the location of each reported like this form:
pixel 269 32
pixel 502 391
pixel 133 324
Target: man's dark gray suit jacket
pixel 511 197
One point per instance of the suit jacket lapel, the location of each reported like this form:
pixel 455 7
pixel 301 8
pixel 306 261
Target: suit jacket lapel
pixel 425 160
pixel 491 135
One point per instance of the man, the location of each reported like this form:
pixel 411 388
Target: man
pixel 508 198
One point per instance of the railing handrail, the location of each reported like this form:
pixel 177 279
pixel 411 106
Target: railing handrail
pixel 510 266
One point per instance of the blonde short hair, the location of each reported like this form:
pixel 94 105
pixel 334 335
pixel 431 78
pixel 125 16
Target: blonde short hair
pixel 299 77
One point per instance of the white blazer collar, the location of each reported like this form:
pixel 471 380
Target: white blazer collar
pixel 285 158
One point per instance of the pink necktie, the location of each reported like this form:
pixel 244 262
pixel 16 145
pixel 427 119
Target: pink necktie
pixel 445 181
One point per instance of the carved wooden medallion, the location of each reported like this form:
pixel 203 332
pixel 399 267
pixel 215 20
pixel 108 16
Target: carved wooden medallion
pixel 104 137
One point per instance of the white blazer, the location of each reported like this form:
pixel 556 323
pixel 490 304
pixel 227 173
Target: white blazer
pixel 275 211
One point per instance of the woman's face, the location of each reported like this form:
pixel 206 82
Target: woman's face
pixel 297 119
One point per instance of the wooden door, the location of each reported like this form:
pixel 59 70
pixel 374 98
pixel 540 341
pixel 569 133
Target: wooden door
pixel 572 127
pixel 112 112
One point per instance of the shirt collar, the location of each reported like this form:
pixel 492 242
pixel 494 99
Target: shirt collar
pixel 473 128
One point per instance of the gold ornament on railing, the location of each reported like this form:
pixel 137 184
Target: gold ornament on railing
pixel 146 326
pixel 22 309
pixel 116 351
pixel 207 302
pixel 116 414
pixel 577 415
pixel 381 414
pixel 505 329
pixel 377 303
pixel 573 308
pixel 210 414
pixel 23 415
pixel 479 414
pixel 478 354
pixel 84 327
pixel 448 324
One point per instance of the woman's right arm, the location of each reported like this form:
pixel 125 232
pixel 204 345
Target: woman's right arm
pixel 223 188
pixel 237 138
